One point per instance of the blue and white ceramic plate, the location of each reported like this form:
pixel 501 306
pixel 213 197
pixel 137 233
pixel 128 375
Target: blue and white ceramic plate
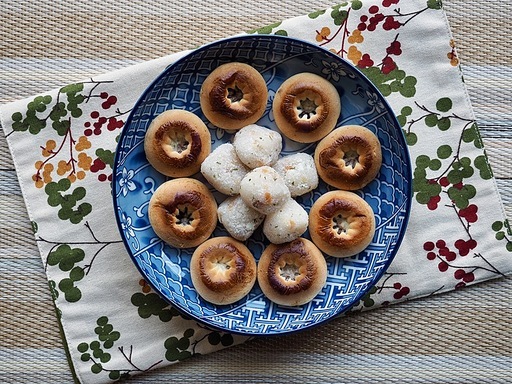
pixel 167 268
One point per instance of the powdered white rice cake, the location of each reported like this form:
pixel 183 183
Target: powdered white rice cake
pixel 257 146
pixel 287 223
pixel 238 218
pixel 264 190
pixel 299 173
pixel 224 170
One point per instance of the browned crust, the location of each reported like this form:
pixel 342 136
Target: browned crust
pixel 220 109
pixel 288 117
pixel 310 266
pixel 330 152
pixel 190 156
pixel 351 237
pixel 168 129
pixel 174 197
pixel 292 97
pixel 228 285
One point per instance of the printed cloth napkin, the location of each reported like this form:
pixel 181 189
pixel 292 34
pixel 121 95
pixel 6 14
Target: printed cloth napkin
pixel 63 144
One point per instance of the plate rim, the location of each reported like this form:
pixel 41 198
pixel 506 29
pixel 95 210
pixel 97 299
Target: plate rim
pixel 408 192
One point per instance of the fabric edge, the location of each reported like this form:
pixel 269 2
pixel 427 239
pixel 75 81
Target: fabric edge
pixel 471 110
pixel 59 320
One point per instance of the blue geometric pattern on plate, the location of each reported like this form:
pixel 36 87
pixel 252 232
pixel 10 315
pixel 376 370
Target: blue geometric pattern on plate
pixel 276 58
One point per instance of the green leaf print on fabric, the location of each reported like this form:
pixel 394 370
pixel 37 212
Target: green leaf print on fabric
pixel 95 352
pixel 106 156
pixel 339 15
pixel 70 259
pixel 315 14
pixel 65 258
pixel 69 207
pixel 31 121
pixel 266 30
pixel 482 164
pixel 150 304
pixel 180 348
pixel 382 68
pixel 65 151
pixel 472 134
pixel 435 4
pixel 177 348
pixel 393 81
pixel 503 233
pixel 36 116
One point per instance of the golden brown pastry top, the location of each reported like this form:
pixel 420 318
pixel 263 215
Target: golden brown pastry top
pixel 291 268
pixel 235 267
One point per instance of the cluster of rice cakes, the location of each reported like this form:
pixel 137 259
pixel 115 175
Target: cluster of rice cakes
pixel 261 185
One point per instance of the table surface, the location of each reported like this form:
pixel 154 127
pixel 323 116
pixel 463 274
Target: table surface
pixel 454 337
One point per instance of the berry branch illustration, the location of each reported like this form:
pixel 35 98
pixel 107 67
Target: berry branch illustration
pixel 409 15
pixel 451 181
pixel 368 300
pixel 69 155
pixel 384 73
pixel 323 38
pixel 465 273
pixel 67 256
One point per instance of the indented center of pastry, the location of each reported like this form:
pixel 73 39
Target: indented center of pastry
pixel 222 263
pixel 351 158
pixel 340 224
pixel 184 215
pixel 289 271
pixel 307 108
pixel 178 142
pixel 235 94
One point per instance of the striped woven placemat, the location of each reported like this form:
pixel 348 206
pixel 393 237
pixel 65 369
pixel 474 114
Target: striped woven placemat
pixel 454 337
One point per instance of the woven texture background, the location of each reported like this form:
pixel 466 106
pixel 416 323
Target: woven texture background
pixel 462 336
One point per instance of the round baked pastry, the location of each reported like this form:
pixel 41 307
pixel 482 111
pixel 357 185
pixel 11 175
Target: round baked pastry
pixel 223 270
pixel 176 143
pixel 183 212
pixel 306 107
pixel 233 95
pixel 341 223
pixel 292 273
pixel 349 157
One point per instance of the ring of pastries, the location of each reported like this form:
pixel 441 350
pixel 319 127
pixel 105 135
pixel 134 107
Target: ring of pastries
pixel 233 95
pixel 223 270
pixel 341 223
pixel 183 212
pixel 292 273
pixel 176 143
pixel 306 107
pixel 349 157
